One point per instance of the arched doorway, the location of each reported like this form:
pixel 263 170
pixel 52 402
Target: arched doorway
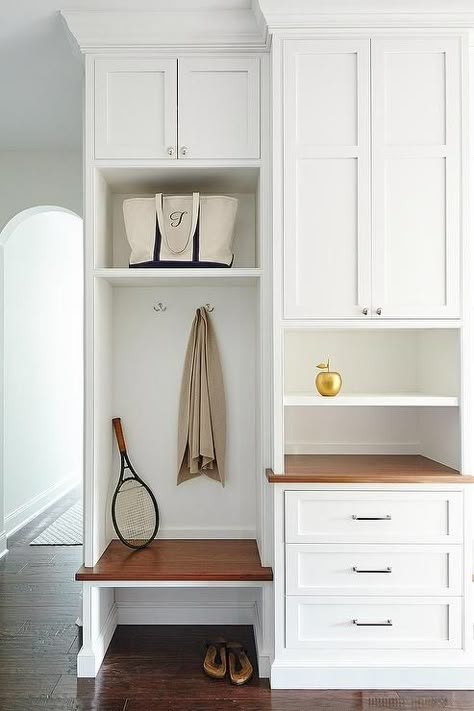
pixel 41 362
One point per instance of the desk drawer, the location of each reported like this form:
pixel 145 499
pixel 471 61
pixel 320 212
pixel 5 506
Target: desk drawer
pixel 373 623
pixel 318 569
pixel 373 517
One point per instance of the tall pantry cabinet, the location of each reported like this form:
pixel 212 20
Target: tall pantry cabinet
pixel 370 249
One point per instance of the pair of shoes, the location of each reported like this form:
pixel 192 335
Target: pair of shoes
pixel 222 656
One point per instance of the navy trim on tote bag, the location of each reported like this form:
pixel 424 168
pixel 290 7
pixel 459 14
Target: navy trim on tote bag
pixel 158 263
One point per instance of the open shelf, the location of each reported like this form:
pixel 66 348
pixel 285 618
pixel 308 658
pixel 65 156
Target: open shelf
pixel 408 364
pixel 185 277
pixel 400 392
pixel 371 400
pixel 114 184
pixel 359 469
pixel 185 560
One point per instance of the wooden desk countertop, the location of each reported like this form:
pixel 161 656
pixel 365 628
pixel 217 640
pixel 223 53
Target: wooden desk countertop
pixel 365 469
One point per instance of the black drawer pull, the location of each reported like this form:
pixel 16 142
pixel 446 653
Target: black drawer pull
pixel 371 518
pixel 388 569
pixel 387 623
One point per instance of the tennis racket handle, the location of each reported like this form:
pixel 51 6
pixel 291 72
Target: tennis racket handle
pixel 119 434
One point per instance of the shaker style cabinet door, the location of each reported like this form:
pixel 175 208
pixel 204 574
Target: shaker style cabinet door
pixel 219 107
pixel 136 108
pixel 416 104
pixel 326 134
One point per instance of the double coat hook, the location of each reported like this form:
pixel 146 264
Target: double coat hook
pixel 160 306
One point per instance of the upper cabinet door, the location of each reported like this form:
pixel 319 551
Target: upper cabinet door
pixel 219 107
pixel 136 108
pixel 326 124
pixel 416 177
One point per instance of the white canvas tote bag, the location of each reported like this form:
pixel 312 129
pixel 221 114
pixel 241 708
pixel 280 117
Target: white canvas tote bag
pixel 180 230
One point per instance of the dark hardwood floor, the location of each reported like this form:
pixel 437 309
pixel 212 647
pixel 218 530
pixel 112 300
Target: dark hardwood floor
pixel 146 668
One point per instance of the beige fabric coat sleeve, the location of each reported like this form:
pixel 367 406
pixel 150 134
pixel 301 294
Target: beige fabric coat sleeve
pixel 201 416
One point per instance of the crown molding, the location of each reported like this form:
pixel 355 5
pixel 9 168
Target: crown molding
pixel 350 14
pixel 97 30
pixel 379 21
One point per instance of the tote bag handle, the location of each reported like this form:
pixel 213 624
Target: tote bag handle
pixel 161 222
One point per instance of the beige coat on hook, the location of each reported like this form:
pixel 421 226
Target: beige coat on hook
pixel 202 420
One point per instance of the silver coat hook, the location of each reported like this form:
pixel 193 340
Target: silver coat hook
pixel 160 306
pixel 209 308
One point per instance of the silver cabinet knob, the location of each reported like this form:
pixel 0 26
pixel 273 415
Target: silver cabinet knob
pixel 365 311
pixel 170 151
pixel 379 311
pixel 183 151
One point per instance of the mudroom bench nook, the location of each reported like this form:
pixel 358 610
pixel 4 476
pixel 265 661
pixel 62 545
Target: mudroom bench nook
pixel 343 533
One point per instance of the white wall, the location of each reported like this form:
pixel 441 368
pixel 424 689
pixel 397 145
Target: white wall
pixel 35 178
pixel 42 256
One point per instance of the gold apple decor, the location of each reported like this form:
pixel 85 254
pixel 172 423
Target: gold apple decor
pixel 328 383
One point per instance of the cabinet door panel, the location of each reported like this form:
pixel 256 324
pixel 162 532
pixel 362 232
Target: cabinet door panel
pixel 219 107
pixel 328 252
pixel 326 178
pixel 327 110
pixel 416 177
pixel 135 108
pixel 415 98
pixel 415 237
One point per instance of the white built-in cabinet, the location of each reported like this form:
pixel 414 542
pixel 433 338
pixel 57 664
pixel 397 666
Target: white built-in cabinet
pixel 371 186
pixel 192 107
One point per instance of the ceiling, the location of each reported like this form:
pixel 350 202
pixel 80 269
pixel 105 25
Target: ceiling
pixel 41 70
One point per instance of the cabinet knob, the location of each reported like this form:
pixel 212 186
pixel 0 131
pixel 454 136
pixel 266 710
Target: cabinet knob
pixel 379 311
pixel 170 151
pixel 183 151
pixel 365 311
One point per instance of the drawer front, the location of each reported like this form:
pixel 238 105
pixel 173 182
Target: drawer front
pixel 373 623
pixel 373 570
pixel 373 517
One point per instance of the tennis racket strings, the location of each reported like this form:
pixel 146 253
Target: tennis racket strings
pixel 135 513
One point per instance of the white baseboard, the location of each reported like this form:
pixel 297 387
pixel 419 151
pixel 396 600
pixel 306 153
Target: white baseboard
pixel 25 513
pixel 91 657
pixel 263 655
pixel 414 678
pixel 185 613
pixel 352 448
pixel 3 544
pixel 202 533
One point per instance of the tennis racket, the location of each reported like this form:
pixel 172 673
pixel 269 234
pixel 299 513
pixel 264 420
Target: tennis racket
pixel 134 509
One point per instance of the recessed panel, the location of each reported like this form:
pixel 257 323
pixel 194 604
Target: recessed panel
pixel 226 102
pixel 327 99
pixel 415 98
pixel 415 242
pixel 372 570
pixel 135 102
pixel 326 234
pixel 382 623
pixel 372 517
